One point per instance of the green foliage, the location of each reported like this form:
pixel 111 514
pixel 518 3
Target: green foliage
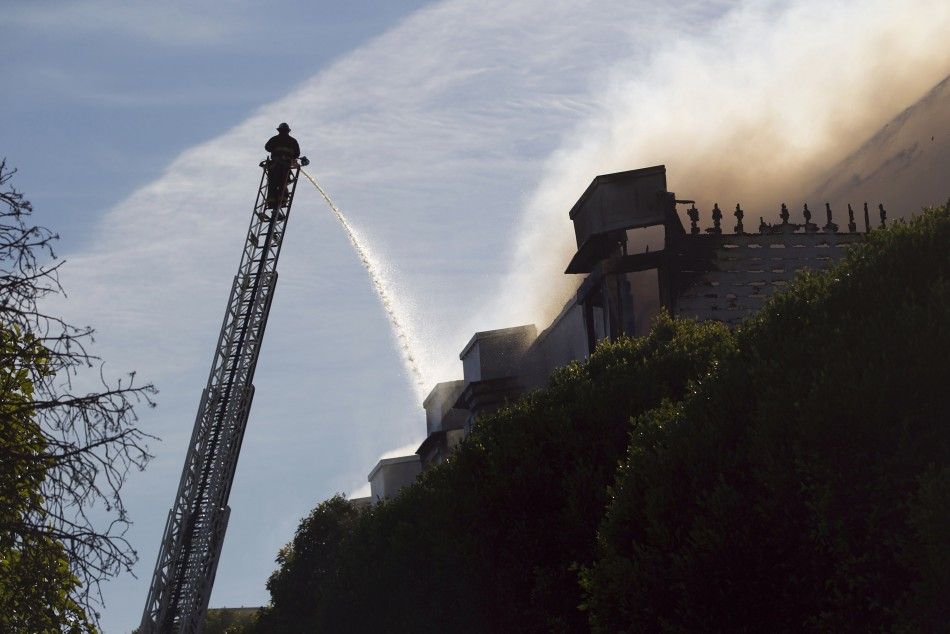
pixel 803 487
pixel 791 475
pixel 230 620
pixel 36 583
pixel 297 587
pixel 492 539
pixel 61 453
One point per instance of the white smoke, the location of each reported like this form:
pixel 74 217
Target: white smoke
pixel 754 110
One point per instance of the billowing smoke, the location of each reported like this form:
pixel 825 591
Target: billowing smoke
pixel 755 110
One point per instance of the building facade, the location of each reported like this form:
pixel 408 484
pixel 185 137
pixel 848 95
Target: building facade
pixel 636 257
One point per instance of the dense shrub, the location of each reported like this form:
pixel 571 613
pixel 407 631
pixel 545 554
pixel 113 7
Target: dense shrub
pixel 229 620
pixel 806 485
pixel 297 586
pixel 492 539
pixel 791 475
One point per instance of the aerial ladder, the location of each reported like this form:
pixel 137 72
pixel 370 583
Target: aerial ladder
pixel 194 533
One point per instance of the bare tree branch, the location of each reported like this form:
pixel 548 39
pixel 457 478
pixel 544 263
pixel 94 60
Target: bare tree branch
pixel 91 439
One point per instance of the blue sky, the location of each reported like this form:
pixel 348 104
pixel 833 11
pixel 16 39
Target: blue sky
pixel 99 96
pixel 455 134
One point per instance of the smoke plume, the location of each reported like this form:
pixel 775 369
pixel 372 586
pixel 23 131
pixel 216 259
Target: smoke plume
pixel 755 110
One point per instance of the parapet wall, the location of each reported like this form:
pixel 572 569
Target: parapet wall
pixel 727 277
pixel 744 270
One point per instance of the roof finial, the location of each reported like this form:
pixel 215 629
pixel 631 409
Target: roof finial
pixel 693 214
pixel 717 219
pixel 809 225
pixel 830 226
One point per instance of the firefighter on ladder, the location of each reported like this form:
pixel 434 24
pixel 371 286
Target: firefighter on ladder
pixel 284 150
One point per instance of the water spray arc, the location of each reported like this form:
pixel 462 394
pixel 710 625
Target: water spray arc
pixel 194 533
pixel 379 285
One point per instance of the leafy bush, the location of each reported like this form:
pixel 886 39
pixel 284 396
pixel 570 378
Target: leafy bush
pixel 791 475
pixel 297 586
pixel 806 485
pixel 230 620
pixel 491 540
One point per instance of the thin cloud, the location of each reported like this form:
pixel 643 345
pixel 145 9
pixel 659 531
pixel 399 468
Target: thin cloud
pixel 98 88
pixel 161 23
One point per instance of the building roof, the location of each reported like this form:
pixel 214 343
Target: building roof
pixel 527 330
pixel 390 461
pixel 612 203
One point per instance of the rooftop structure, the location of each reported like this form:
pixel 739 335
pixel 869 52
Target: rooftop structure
pixel 636 257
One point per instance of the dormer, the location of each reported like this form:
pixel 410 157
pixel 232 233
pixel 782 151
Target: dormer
pixel 613 207
pixel 623 224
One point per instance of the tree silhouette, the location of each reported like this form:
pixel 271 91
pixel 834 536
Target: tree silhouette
pixel 75 445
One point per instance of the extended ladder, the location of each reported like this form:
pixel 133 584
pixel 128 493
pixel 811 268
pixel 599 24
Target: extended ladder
pixel 191 545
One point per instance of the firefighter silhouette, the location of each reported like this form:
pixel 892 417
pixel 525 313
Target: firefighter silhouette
pixel 284 150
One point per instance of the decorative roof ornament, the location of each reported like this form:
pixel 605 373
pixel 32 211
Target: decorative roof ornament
pixel 852 225
pixel 810 226
pixel 738 214
pixel 693 214
pixel 830 226
pixel 717 220
pixel 786 226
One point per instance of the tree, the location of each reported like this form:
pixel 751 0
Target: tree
pixel 490 540
pixel 35 580
pixel 230 620
pixel 296 586
pixel 804 487
pixel 790 475
pixel 65 451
